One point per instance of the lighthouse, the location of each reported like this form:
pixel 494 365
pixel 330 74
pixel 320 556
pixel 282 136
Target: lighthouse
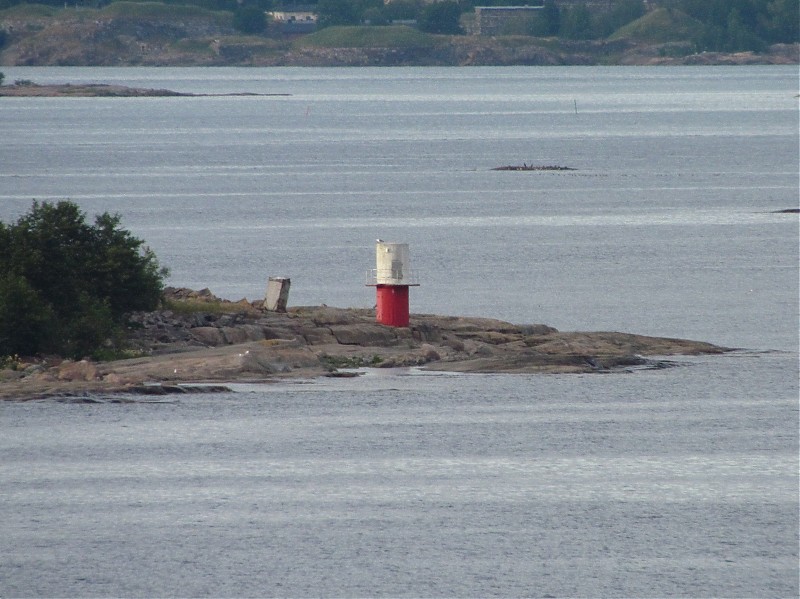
pixel 391 278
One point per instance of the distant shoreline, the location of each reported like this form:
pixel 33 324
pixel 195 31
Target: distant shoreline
pixel 99 90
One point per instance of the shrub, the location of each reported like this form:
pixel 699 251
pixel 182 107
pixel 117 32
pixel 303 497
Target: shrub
pixel 331 13
pixel 249 19
pixel 65 285
pixel 153 10
pixel 27 322
pixel 440 17
pixel 661 26
pixel 391 36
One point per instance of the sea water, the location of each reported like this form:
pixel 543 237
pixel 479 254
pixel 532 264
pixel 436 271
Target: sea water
pixel 675 482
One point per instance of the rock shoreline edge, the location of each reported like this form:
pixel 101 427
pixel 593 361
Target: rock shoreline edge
pixel 103 90
pixel 203 344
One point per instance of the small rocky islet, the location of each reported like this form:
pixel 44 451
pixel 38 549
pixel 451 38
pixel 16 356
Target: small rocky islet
pixel 28 89
pixel 201 342
pixel 532 167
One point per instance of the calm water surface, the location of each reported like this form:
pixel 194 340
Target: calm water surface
pixel 676 482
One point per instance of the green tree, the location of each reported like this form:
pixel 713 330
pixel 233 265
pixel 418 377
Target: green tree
pixel 576 23
pixel 440 17
pixel 781 21
pixel 399 10
pixel 738 36
pixel 123 272
pixel 27 323
pixel 374 16
pixel 544 22
pixel 65 285
pixel 744 24
pixel 336 12
pixel 249 19
pixel 551 18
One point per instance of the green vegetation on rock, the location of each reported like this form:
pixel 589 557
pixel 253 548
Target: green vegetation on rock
pixel 65 285
pixel 369 32
pixel 661 26
pixel 249 19
pixel 215 306
pixel 395 36
pixel 144 10
pixel 22 10
pixel 440 17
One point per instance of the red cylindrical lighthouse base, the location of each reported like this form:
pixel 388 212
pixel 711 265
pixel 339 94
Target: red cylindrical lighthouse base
pixel 392 303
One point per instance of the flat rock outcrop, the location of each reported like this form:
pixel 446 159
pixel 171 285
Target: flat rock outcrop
pixel 28 89
pixel 206 340
pixel 82 90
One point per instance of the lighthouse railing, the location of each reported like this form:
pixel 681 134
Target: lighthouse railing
pixel 388 276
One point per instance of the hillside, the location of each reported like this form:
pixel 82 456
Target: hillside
pixel 661 26
pixel 151 34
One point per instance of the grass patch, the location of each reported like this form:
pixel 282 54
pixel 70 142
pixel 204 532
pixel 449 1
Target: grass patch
pixel 194 45
pixel 253 43
pixel 661 26
pixel 28 11
pixel 251 40
pixel 131 10
pixel 113 354
pixel 197 306
pixel 395 36
pixel 157 10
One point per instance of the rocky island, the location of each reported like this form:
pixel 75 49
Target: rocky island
pixel 82 90
pixel 98 90
pixel 532 167
pixel 199 339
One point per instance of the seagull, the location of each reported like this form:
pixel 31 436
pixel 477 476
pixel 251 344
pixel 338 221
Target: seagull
pixel 379 240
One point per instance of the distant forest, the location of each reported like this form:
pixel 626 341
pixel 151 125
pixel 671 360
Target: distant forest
pixel 717 25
